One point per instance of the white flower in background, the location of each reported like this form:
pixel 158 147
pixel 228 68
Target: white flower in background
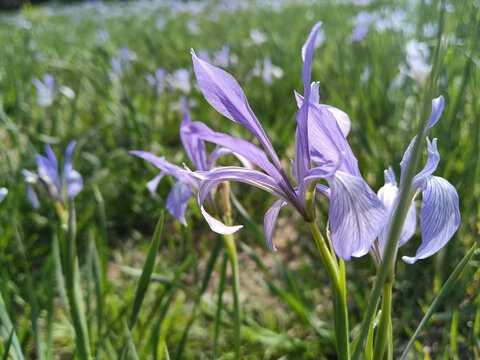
pixel 266 70
pixel 180 80
pixel 366 73
pixel 3 193
pixel 47 90
pixel 258 37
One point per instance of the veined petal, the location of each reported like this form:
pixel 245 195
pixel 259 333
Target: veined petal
pixel 194 147
pixel 270 222
pixel 356 215
pixel 222 151
pixel 439 219
pixel 153 184
pixel 170 169
pixel 302 152
pixel 316 174
pixel 226 96
pixel 232 173
pixel 390 176
pixel 178 199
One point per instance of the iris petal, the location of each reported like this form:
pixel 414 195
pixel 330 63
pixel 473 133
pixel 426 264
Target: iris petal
pixel 440 217
pixel 177 200
pixel 270 222
pixel 356 215
pixel 194 147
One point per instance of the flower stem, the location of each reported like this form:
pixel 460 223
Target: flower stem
pixel 336 272
pixel 383 331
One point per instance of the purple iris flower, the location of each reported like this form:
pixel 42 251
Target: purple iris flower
pixel 356 214
pixel 187 182
pixel 440 215
pixel 58 186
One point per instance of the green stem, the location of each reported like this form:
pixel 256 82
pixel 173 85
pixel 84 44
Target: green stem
pixel 382 336
pixel 337 276
pixel 72 282
pixel 232 253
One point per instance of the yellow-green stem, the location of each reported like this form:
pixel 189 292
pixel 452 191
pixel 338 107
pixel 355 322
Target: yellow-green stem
pixel 337 276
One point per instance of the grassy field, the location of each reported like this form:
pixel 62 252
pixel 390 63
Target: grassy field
pixel 110 98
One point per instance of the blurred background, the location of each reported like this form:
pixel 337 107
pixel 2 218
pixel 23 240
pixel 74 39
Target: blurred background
pixel 110 75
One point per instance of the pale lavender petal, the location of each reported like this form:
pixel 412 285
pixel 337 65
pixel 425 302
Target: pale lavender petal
pixel 302 151
pixel 388 196
pixel 177 200
pixel 74 183
pixel 390 176
pixel 270 222
pixel 440 217
pixel 437 110
pixel 222 151
pixel 356 215
pixel 244 148
pixel 153 184
pixel 3 193
pixel 194 147
pixel 231 173
pixel 48 170
pixel 431 165
pixel 314 175
pixel 32 197
pixel 343 120
pixel 314 93
pixel 173 170
pixel 226 96
pixel 327 141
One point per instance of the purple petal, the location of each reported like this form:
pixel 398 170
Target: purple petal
pixel 440 217
pixel 177 200
pixel 239 174
pixel 390 176
pixel 153 184
pixel 356 215
pixel 222 151
pixel 270 222
pixel 194 147
pixel 74 183
pixel 437 110
pixel 314 175
pixel 431 165
pixel 302 151
pixel 48 170
pixel 173 170
pixel 32 197
pixel 343 120
pixel 226 96
pixel 244 148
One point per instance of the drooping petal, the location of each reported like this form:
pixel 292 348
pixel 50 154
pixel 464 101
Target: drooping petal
pixel 356 215
pixel 194 147
pixel 302 152
pixel 226 96
pixel 270 222
pixel 314 175
pixel 231 173
pixel 178 199
pixel 440 217
pixel 153 184
pixel 170 169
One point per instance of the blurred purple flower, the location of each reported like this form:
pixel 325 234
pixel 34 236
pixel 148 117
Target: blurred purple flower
pixel 58 186
pixel 356 214
pixel 440 215
pixel 187 182
pixel 45 89
pixel 266 71
pixel 180 80
pixel 122 61
pixel 158 81
pixel 258 37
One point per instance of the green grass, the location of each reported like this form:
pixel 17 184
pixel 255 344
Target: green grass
pixel 285 297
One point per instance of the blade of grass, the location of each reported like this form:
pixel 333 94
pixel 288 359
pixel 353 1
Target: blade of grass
pixel 439 298
pixel 6 329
